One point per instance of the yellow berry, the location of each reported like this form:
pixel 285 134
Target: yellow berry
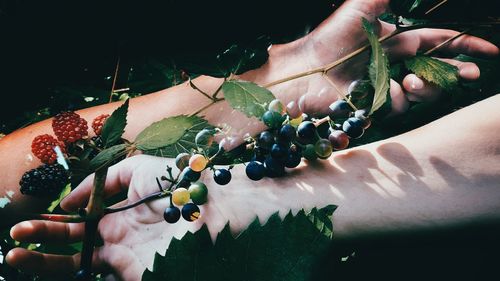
pixel 296 122
pixel 180 196
pixel 198 162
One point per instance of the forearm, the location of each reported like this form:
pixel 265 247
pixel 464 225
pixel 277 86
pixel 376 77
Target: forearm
pixel 182 99
pixel 443 174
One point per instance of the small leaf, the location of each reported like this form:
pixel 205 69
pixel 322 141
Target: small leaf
pixel 284 249
pixel 433 70
pixel 171 136
pixel 247 97
pixel 56 202
pixel 107 156
pixel 415 5
pixel 378 70
pixel 114 126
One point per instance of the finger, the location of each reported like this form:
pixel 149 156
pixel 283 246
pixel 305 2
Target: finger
pixel 409 43
pixel 420 90
pixel 467 70
pixel 117 180
pixel 51 265
pixel 47 231
pixel 465 44
pixel 399 102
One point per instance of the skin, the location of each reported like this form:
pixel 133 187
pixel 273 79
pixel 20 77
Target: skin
pixel 407 182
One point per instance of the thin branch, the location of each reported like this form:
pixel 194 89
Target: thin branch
pixel 199 90
pixel 446 42
pixel 205 107
pixel 114 80
pixel 58 218
pixel 436 6
pixel 339 92
pixel 214 96
pixel 151 197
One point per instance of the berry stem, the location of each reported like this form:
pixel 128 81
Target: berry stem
pixel 199 90
pixel 339 92
pixel 149 198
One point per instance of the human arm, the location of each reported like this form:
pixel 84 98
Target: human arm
pixel 325 44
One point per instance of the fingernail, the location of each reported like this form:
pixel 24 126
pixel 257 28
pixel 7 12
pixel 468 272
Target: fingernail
pixel 469 73
pixel 416 83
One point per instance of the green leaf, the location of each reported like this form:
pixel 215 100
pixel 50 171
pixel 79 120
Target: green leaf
pixel 171 136
pixel 114 126
pixel 247 97
pixel 378 70
pixel 415 5
pixel 279 250
pixel 433 70
pixel 56 202
pixel 107 156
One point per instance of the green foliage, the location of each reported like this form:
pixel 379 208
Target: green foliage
pixel 378 70
pixel 247 97
pixel 56 202
pixel 171 136
pixel 114 126
pixel 433 70
pixel 277 250
pixel 107 156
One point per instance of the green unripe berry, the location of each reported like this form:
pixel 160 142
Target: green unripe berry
pixel 309 152
pixel 276 106
pixel 180 196
pixel 323 148
pixel 272 119
pixel 198 192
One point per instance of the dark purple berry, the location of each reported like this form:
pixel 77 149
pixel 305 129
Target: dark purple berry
pixel 222 176
pixel 306 130
pixel 172 214
pixel 255 170
pixel 190 212
pixel 265 140
pixel 287 133
pixel 353 127
pixel 279 151
pixel 339 109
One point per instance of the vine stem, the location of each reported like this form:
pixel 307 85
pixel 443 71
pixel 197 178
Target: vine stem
pixel 149 198
pixel 339 92
pixel 94 212
pixel 430 51
pixel 436 6
pixel 326 68
pixel 114 80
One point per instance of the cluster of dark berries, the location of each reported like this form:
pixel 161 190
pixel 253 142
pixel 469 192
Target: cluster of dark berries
pixel 44 181
pixel 187 192
pixel 71 133
pixel 292 136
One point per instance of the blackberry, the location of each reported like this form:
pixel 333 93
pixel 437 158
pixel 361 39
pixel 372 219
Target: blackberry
pixel 44 181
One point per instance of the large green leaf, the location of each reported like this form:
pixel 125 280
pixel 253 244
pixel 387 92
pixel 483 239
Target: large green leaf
pixel 171 136
pixel 278 250
pixel 378 70
pixel 433 70
pixel 247 97
pixel 114 126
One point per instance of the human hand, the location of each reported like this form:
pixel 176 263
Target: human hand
pixel 342 33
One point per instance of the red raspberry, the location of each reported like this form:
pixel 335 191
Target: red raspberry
pixel 69 127
pixel 43 148
pixel 98 123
